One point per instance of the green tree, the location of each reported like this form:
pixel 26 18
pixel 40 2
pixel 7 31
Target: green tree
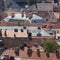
pixel 50 45
pixel 31 2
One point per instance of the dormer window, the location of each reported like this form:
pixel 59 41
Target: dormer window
pixel 38 34
pixel 24 27
pixel 38 27
pixel 15 30
pixel 21 30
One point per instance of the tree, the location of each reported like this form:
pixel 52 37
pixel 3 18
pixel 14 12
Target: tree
pixel 50 45
pixel 31 2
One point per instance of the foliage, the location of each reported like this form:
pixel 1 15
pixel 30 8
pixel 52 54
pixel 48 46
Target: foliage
pixel 50 45
pixel 31 2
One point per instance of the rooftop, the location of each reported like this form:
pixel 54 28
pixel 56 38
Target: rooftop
pixel 24 56
pixel 22 32
pixel 18 17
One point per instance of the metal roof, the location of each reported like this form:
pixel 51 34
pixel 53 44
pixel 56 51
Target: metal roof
pixel 33 30
pixel 18 17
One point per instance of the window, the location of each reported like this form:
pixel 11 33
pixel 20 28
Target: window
pixel 38 21
pixel 57 31
pixel 51 33
pixel 15 30
pixel 38 27
pixel 21 30
pixel 24 27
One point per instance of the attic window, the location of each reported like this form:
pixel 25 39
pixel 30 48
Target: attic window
pixel 15 30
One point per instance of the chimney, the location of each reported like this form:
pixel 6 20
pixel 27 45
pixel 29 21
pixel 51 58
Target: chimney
pixel 47 53
pixel 30 15
pixel 57 54
pixel 30 36
pixel 12 15
pixel 38 52
pixel 22 12
pixel 29 52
